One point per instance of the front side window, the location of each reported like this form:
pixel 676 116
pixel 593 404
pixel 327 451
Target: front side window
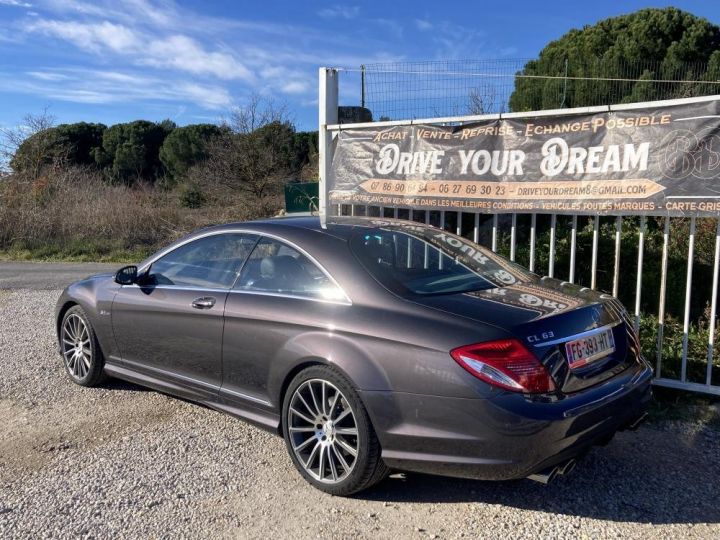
pixel 276 268
pixel 210 262
pixel 419 260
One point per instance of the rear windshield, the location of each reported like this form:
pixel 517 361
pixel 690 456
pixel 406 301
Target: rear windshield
pixel 418 260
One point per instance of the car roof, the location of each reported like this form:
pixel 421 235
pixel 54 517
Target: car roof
pixel 338 226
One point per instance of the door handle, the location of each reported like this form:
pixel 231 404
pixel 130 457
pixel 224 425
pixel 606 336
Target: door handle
pixel 206 302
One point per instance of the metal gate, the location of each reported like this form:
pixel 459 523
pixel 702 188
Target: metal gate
pixel 492 229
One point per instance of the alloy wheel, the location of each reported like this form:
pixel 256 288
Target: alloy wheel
pixel 76 346
pixel 323 431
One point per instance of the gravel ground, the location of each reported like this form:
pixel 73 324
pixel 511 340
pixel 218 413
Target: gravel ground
pixel 123 462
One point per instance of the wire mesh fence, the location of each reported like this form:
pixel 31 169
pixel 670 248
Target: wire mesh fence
pixel 654 264
pixel 408 90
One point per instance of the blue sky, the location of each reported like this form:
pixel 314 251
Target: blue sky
pixel 114 61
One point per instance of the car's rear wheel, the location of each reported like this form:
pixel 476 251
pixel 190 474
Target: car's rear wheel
pixel 80 349
pixel 328 433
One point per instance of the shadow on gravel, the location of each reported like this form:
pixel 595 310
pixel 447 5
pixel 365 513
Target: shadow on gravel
pixel 650 476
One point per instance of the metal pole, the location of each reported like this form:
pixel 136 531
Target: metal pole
pixel 713 308
pixel 533 223
pixel 362 86
pixel 494 232
pixel 638 284
pixel 573 249
pixel 442 226
pixel 562 103
pixel 551 255
pixel 663 290
pixel 328 114
pixel 616 270
pixel 513 231
pixel 458 228
pixel 476 228
pixel 427 246
pixel 593 264
pixel 688 290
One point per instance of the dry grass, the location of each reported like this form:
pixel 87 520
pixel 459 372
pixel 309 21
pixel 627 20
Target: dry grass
pixel 73 213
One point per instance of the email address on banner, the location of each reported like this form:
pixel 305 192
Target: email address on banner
pixel 562 189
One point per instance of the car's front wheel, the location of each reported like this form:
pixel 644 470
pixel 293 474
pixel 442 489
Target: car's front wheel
pixel 328 433
pixel 80 349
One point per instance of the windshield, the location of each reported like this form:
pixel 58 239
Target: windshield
pixel 420 260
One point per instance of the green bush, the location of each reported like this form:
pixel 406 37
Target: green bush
pixel 186 146
pixel 191 196
pixel 130 152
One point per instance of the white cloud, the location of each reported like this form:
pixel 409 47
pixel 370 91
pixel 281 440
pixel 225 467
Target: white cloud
pixel 185 54
pixel 47 75
pixel 128 11
pixel 177 52
pixel 423 24
pixel 339 12
pixel 295 87
pixel 15 3
pixel 211 97
pixel 91 37
pixel 98 86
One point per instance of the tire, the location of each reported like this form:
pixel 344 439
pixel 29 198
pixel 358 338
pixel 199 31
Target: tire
pixel 80 350
pixel 323 422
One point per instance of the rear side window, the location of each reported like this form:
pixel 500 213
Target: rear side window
pixel 419 260
pixel 210 262
pixel 276 268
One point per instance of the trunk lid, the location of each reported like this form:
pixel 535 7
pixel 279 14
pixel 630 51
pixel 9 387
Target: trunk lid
pixel 547 313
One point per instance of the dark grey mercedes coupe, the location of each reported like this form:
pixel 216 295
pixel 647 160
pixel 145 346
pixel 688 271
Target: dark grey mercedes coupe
pixel 370 345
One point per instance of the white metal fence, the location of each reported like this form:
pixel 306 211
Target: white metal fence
pixel 684 369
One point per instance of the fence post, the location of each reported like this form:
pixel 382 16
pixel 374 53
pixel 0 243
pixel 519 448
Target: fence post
pixel 688 291
pixel 663 290
pixel 616 268
pixel 638 283
pixel 328 114
pixel 362 86
pixel 713 308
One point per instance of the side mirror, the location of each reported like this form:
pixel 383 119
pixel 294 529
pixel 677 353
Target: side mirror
pixel 127 275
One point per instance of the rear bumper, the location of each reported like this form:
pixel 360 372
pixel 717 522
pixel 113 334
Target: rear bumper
pixel 505 437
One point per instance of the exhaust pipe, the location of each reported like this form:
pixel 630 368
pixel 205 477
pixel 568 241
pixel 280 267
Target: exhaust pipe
pixel 568 467
pixel 549 475
pixel 546 476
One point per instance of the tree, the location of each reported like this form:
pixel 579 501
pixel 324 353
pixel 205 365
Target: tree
pixel 80 141
pixel 28 149
pixel 254 155
pixel 71 144
pixel 131 151
pixel 305 155
pixel 649 44
pixel 186 146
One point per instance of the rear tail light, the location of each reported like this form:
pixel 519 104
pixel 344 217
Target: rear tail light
pixel 505 363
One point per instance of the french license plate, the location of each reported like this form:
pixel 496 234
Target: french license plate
pixel 581 352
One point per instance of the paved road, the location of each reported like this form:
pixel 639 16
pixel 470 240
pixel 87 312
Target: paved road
pixel 47 276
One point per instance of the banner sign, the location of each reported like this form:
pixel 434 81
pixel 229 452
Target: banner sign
pixel 644 161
